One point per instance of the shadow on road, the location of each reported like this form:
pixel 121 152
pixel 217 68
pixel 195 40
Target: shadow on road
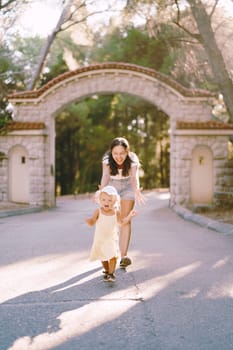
pixel 177 295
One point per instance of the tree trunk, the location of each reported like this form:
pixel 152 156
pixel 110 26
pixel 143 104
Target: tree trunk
pixel 46 48
pixel 214 54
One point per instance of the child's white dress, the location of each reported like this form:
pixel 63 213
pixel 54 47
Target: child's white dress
pixel 105 244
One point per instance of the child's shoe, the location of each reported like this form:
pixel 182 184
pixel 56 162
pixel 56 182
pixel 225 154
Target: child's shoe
pixel 105 272
pixel 109 278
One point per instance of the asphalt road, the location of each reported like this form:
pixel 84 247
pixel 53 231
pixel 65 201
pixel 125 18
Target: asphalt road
pixel 177 294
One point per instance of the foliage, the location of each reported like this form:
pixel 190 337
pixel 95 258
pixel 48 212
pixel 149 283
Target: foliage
pixel 199 21
pixel 25 52
pixel 57 62
pixel 10 79
pixel 135 46
pixel 78 146
pixel 16 63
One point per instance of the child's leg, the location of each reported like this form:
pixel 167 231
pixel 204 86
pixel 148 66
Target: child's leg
pixel 112 265
pixel 105 265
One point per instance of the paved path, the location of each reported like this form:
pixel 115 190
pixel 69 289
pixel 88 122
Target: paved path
pixel 177 294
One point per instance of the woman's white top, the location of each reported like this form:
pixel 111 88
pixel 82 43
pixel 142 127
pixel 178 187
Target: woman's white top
pixel 135 162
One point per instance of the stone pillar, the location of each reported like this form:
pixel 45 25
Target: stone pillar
pixel 34 142
pixel 185 140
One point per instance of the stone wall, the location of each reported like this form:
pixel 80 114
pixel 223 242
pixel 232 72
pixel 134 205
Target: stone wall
pixel 223 196
pixel 34 143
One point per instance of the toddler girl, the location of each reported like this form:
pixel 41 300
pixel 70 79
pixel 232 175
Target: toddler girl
pixel 107 219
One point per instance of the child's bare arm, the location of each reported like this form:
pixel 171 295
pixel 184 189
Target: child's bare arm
pixel 125 220
pixel 92 220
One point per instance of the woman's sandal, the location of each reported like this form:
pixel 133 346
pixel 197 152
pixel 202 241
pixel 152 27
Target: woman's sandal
pixel 125 261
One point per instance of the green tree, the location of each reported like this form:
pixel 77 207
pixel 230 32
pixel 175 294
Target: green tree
pixel 197 20
pixel 16 61
pixel 78 146
pixel 11 78
pixel 135 46
pixel 24 53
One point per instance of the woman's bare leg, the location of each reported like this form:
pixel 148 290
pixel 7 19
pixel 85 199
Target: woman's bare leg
pixel 125 231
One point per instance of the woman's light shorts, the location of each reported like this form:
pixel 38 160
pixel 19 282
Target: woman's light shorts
pixel 123 187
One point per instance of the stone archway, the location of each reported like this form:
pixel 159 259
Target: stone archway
pixel 41 106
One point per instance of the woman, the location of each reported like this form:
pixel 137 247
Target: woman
pixel 120 169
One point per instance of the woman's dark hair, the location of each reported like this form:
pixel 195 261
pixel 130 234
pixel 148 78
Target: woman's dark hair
pixel 119 141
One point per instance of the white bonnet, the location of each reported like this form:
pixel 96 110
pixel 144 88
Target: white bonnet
pixel 110 190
